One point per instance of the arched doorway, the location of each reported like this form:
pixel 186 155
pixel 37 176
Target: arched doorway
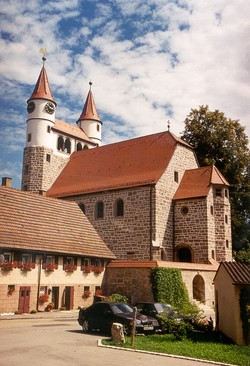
pixel 199 288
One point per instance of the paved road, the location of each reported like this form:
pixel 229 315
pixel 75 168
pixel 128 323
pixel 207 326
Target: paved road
pixel 60 342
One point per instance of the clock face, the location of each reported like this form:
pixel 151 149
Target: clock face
pixel 50 108
pixel 31 107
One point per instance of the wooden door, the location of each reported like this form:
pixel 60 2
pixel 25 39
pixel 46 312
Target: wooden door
pixel 69 297
pixel 24 299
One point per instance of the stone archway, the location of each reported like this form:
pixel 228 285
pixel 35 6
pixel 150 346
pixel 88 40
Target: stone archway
pixel 199 288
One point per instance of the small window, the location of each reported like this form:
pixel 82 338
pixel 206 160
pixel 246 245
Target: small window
pixel 25 188
pixel 29 137
pixel 8 257
pixel 227 243
pixel 69 260
pixel 26 258
pixel 218 192
pixel 212 210
pixel 48 158
pixel 78 146
pixel 184 210
pixel 50 259
pixel 86 288
pixel 213 255
pixel 100 210
pixel 82 207
pixel 85 147
pixel 48 129
pixel 176 177
pixel 97 127
pixel 226 193
pixel 119 208
pixel 226 219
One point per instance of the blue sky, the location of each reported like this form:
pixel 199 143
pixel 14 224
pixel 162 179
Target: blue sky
pixel 149 61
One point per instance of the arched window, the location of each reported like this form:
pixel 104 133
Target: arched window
pixel 67 146
pixel 99 212
pixel 82 207
pixel 199 288
pixel 119 208
pixel 85 147
pixel 60 143
pixel 183 253
pixel 79 147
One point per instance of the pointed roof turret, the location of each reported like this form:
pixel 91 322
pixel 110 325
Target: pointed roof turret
pixel 89 111
pixel 42 88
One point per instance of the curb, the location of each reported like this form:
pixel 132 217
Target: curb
pixel 99 344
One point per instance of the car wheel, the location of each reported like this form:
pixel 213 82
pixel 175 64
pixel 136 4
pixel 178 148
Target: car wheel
pixel 85 326
pixel 126 330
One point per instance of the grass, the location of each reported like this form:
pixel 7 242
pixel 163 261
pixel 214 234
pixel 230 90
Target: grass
pixel 205 346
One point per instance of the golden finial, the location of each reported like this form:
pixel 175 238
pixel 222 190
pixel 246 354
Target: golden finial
pixel 43 51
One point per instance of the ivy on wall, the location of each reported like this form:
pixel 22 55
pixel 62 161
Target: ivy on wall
pixel 168 287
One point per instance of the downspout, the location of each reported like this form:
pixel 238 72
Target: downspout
pixel 151 223
pixel 173 231
pixel 39 281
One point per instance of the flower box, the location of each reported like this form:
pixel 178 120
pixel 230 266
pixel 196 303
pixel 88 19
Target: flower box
pixel 50 267
pixel 7 266
pixel 86 294
pixel 43 298
pixel 27 266
pixel 98 270
pixel 69 267
pixel 87 269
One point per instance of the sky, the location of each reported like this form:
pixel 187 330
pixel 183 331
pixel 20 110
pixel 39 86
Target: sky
pixel 150 62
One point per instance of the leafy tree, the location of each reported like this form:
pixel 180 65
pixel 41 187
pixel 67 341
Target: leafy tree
pixel 223 142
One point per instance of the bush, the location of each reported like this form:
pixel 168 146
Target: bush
pixel 178 328
pixel 118 298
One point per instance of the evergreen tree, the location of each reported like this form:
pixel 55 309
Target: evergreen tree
pixel 223 142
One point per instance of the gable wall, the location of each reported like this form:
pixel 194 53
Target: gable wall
pixel 183 158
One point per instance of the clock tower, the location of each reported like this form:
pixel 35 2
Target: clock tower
pixel 40 142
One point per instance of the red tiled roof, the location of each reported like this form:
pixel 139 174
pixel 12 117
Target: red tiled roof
pixel 239 272
pixel 136 162
pixel 32 222
pixel 72 130
pixel 42 88
pixel 89 110
pixel 197 182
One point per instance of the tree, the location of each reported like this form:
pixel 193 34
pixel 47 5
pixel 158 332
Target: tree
pixel 223 142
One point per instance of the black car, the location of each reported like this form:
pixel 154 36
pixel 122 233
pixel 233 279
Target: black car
pixel 155 308
pixel 101 316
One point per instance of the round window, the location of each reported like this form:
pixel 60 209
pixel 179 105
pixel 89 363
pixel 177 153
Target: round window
pixel 184 210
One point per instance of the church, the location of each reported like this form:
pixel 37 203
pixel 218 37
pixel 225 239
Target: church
pixel 147 198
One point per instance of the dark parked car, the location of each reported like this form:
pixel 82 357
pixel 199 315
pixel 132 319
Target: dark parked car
pixel 101 316
pixel 155 308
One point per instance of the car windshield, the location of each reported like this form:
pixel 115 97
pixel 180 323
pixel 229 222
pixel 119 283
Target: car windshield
pixel 121 308
pixel 163 307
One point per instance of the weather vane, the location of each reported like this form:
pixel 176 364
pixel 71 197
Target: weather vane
pixel 168 125
pixel 43 51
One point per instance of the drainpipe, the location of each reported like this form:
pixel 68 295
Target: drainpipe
pixel 173 230
pixel 39 281
pixel 151 223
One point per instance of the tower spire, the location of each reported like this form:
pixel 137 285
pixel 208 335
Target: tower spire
pixel 89 111
pixel 42 88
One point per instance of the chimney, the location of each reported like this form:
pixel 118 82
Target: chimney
pixel 6 182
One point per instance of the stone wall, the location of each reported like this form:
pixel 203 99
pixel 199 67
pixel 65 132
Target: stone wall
pixel 128 237
pixel 40 168
pixel 183 158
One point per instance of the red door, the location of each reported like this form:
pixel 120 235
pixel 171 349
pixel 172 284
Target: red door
pixel 24 299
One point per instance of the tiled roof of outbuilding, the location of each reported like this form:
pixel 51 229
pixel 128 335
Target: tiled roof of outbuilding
pixel 136 162
pixel 37 223
pixel 197 182
pixel 239 272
